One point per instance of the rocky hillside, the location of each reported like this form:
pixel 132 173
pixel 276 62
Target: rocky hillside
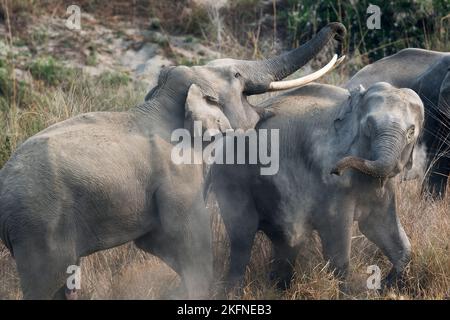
pixel 96 48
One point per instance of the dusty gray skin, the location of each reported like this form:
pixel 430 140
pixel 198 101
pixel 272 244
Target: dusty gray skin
pixel 102 179
pixel 323 130
pixel 428 74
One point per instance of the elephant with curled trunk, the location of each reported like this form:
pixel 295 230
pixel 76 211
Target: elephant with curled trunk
pixel 428 74
pixel 363 138
pixel 102 179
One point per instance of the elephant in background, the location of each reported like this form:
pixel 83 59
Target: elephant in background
pixel 324 129
pixel 102 179
pixel 428 74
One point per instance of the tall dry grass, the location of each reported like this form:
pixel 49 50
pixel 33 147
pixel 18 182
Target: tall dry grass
pixel 128 273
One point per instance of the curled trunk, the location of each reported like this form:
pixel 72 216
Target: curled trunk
pixel 387 148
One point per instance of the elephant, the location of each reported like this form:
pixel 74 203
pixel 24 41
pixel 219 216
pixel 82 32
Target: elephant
pixel 102 179
pixel 323 132
pixel 428 74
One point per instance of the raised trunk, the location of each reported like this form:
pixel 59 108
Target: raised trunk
pixel 261 73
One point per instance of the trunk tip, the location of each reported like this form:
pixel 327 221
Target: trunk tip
pixel 339 30
pixel 336 171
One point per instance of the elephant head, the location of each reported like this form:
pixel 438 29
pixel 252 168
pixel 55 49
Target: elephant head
pixel 382 125
pixel 205 110
pixel 224 84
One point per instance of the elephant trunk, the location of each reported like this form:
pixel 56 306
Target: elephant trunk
pixel 387 148
pixel 261 74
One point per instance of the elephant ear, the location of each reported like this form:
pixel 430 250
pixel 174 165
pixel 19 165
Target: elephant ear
pixel 149 95
pixel 162 78
pixel 346 121
pixel 204 107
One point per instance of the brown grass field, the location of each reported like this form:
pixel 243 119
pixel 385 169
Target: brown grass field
pixel 128 273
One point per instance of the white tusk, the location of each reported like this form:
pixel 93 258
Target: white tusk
pixel 289 84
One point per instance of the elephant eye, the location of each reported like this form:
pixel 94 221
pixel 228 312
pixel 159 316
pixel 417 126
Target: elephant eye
pixel 211 99
pixel 410 133
pixel 237 75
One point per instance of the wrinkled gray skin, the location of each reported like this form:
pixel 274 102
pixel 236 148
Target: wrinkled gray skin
pixel 102 179
pixel 428 74
pixel 324 129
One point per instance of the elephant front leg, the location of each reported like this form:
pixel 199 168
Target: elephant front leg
pixel 241 221
pixel 184 241
pixel 383 228
pixel 438 138
pixel 439 172
pixel 335 232
pixel 284 259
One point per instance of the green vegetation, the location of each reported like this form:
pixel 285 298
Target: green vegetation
pixel 27 108
pixel 404 23
pixel 49 70
pixel 12 91
pixel 114 79
pixel 91 59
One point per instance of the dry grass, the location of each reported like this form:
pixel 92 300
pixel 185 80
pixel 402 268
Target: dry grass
pixel 427 224
pixel 128 273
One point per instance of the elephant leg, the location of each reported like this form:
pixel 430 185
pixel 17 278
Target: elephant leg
pixel 195 258
pixel 439 146
pixel 43 270
pixel 241 242
pixel 157 243
pixel 439 172
pixel 241 222
pixel 284 257
pixel 383 228
pixel 64 293
pixel 335 234
pixel 185 239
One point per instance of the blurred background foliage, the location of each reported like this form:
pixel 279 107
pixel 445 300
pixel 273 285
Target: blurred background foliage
pixel 263 26
pixel 404 23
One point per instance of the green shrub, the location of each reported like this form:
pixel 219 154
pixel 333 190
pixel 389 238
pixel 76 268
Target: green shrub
pixel 113 79
pixel 50 71
pixel 11 90
pixel 5 149
pixel 404 23
pixel 91 59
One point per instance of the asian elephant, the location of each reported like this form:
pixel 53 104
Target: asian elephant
pixel 428 74
pixel 324 131
pixel 102 179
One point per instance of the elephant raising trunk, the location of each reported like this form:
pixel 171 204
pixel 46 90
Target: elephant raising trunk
pixel 387 147
pixel 262 75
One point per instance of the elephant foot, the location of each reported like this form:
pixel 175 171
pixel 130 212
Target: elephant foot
pixel 394 280
pixel 65 293
pixel 283 281
pixel 342 275
pixel 71 294
pixel 234 286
